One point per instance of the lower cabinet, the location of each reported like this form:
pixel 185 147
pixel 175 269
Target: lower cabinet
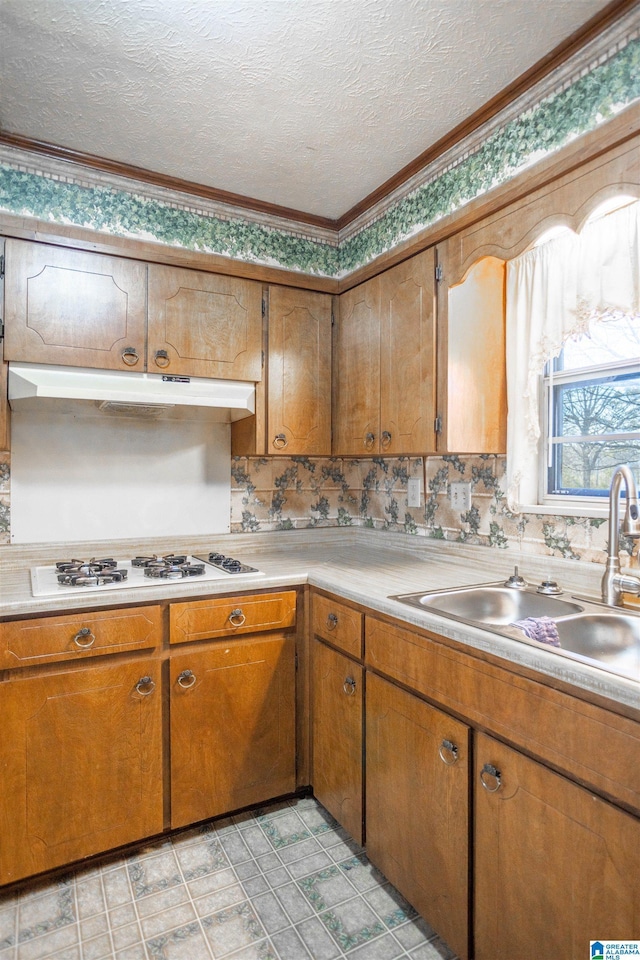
pixel 80 764
pixel 556 866
pixel 337 716
pixel 232 712
pixel 417 813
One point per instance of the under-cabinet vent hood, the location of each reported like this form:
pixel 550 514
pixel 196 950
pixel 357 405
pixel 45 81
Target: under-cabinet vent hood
pixel 81 391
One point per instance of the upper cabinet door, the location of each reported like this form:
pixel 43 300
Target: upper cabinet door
pixel 408 356
pixel 299 395
pixel 204 324
pixel 74 308
pixel 357 389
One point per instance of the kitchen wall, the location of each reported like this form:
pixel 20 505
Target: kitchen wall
pixel 281 494
pixel 105 478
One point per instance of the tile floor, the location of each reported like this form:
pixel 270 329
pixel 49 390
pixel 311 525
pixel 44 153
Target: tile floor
pixel 283 882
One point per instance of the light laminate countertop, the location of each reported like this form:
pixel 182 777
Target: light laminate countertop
pixel 365 566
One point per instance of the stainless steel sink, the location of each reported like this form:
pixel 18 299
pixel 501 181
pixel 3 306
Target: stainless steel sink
pixel 602 636
pixel 608 637
pixel 492 603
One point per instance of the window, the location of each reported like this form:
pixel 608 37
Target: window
pixel 592 401
pixel 573 363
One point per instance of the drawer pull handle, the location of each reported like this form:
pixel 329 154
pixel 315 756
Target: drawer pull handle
pixel 130 356
pixel 490 775
pixel 280 441
pixel 332 621
pixel 237 617
pixel 84 638
pixel 448 752
pixel 349 686
pixel 369 439
pixel 161 358
pixel 145 686
pixel 186 679
pixel 385 438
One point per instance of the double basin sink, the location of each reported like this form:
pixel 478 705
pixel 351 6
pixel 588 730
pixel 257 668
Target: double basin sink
pixel 608 637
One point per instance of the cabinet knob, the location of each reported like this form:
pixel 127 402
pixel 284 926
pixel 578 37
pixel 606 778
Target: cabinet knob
pixel 448 752
pixel 145 686
pixel 237 617
pixel 161 358
pixel 385 438
pixel 186 679
pixel 369 440
pixel 130 356
pixel 332 621
pixel 349 686
pixel 84 638
pixel 280 441
pixel 490 778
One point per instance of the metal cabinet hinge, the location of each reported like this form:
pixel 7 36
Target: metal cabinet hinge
pixel 439 273
pixel 437 425
pixel 264 307
pixel 1 329
pixel 1 266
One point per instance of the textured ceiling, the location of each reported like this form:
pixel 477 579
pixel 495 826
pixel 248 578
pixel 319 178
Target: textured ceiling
pixel 309 104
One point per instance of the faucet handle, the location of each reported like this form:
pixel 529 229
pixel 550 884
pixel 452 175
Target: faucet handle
pixel 515 581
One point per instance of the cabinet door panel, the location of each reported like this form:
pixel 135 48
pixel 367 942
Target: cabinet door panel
pixel 337 736
pixel 555 865
pixel 232 726
pixel 407 356
pixel 81 765
pixel 357 396
pixel 209 325
pixel 417 800
pixel 73 308
pixel 299 395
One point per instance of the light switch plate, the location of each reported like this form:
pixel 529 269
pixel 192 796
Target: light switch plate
pixel 460 495
pixel 413 492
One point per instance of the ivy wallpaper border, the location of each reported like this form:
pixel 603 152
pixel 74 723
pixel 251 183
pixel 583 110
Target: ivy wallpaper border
pixel 583 105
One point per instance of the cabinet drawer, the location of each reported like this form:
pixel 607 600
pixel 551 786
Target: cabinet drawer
pixel 591 744
pixel 338 624
pixel 25 643
pixel 231 616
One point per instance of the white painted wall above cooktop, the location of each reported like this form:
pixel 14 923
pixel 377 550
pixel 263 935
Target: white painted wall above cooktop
pixel 310 104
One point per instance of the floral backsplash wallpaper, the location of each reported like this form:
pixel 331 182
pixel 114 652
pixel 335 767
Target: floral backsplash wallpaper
pixel 274 493
pixel 281 494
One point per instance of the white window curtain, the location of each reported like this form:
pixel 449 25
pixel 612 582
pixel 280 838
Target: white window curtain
pixel 554 291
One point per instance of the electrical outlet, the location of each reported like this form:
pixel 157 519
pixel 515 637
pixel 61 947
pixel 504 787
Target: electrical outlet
pixel 413 492
pixel 460 495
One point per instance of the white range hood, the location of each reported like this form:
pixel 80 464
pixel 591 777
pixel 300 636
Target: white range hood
pixel 81 391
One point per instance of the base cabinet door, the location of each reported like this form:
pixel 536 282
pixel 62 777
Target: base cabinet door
pixel 80 764
pixel 417 806
pixel 556 866
pixel 232 708
pixel 337 736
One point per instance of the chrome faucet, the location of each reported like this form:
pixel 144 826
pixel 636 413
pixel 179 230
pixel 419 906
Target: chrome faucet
pixel 614 584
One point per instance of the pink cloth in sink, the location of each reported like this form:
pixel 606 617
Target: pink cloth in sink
pixel 542 629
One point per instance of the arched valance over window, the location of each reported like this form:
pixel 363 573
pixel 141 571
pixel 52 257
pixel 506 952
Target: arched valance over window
pixel 554 292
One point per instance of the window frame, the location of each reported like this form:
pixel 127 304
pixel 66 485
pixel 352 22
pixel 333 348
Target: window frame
pixel 551 378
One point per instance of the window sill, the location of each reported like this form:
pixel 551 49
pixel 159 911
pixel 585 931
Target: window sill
pixel 568 510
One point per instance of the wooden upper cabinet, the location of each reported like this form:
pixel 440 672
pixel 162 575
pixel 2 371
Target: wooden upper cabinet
pixel 299 372
pixel 74 308
pixel 356 420
pixel 204 324
pixel 293 403
pixel 385 363
pixel 473 387
pixel 407 356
